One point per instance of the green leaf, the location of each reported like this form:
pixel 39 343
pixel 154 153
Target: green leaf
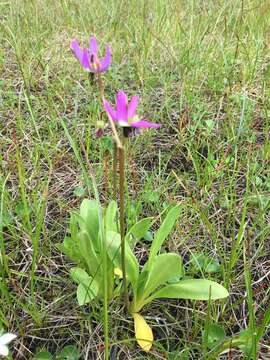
pixel 111 216
pixel 213 266
pixel 84 293
pixel 244 341
pixel 114 252
pixel 87 251
pixel 88 287
pixel 79 191
pixel 148 236
pixel 73 224
pixel 216 335
pixel 165 267
pixel 163 232
pixel 90 223
pixel 210 124
pixel 106 142
pixel 192 289
pixel 151 197
pixel 43 355
pixel 70 248
pixel 138 231
pixel 22 211
pixel 69 352
pixel 141 282
pixel 79 275
pixel 204 263
pixel 6 219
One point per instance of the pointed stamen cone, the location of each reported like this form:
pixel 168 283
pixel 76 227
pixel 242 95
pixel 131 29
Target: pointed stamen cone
pixel 143 332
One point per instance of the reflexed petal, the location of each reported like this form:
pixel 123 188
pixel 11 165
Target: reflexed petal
pixel 3 350
pixel 144 124
pixel 78 52
pixel 105 62
pixel 121 106
pixel 110 111
pixel 85 59
pixel 7 338
pixel 93 45
pixel 132 106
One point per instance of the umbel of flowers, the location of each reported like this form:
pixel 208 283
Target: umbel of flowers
pixel 105 255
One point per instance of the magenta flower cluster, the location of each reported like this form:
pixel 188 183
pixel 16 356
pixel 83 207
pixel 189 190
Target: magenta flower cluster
pixel 124 114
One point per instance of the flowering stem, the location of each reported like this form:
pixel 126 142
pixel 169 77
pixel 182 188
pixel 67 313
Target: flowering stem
pixel 103 240
pixel 115 157
pixel 91 77
pixel 106 175
pixel 122 220
pixel 100 85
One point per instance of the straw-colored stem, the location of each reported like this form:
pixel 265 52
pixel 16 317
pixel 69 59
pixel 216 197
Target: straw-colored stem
pixel 115 158
pixel 106 175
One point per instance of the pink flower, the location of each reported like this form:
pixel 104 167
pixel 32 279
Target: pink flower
pixel 125 114
pixel 88 57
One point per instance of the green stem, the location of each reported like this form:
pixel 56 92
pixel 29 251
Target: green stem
pixel 122 220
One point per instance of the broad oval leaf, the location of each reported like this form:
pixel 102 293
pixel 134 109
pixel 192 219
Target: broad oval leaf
pixel 204 263
pixel 86 292
pixel 111 216
pixel 192 289
pixel 165 267
pixel 79 275
pixel 215 335
pixel 88 252
pixel 143 332
pixel 114 252
pixel 69 352
pixel 88 287
pixel 43 355
pixel 148 236
pixel 138 230
pixel 163 232
pixel 89 213
pixel 70 248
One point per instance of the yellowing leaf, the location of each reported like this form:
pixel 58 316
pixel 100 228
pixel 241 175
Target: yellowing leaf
pixel 143 332
pixel 118 272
